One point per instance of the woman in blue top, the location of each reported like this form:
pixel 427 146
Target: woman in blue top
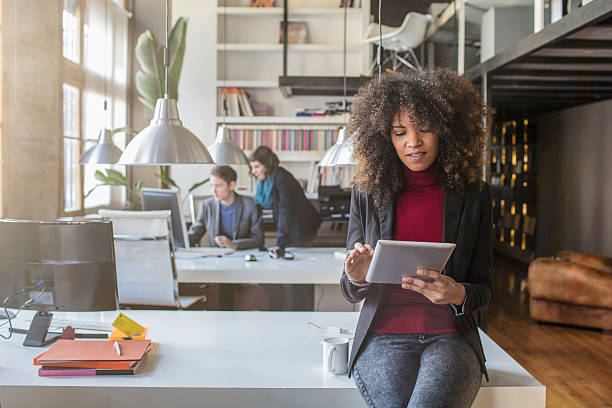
pixel 296 219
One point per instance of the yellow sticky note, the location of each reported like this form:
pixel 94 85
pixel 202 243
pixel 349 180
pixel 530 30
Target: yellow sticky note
pixel 127 325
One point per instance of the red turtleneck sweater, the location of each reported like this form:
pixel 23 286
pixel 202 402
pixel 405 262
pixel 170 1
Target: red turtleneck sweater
pixel 419 216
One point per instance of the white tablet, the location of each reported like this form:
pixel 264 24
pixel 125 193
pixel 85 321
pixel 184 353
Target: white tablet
pixel 394 259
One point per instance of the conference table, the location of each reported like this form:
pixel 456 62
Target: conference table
pixel 321 267
pixel 228 359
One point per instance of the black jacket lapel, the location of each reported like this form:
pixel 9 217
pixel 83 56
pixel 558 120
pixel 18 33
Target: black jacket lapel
pixel 453 206
pixel 386 215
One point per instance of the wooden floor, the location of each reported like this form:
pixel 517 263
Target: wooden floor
pixel 574 364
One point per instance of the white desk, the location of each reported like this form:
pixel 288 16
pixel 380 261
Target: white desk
pixel 310 266
pixel 316 266
pixel 229 359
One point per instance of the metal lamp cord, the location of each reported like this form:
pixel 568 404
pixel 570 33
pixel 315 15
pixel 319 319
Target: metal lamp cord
pixel 166 51
pixel 344 104
pixel 379 56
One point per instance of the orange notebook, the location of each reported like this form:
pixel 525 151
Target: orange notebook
pixel 94 350
pixel 106 365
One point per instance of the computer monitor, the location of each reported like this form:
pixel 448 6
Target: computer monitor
pixel 159 199
pixel 56 266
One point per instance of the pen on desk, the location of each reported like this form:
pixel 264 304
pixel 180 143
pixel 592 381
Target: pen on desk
pixel 117 348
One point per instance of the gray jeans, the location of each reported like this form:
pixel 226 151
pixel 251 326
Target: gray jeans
pixel 417 370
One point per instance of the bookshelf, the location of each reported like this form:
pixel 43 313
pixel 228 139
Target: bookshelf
pixel 513 187
pixel 249 56
pixel 255 64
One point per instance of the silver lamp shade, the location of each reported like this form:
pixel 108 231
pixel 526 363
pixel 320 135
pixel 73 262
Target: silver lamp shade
pixel 225 151
pixel 103 152
pixel 165 141
pixel 345 153
pixel 329 159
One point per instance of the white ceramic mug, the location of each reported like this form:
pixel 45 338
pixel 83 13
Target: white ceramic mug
pixel 335 355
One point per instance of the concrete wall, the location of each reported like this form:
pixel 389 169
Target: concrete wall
pixel 574 170
pixel 31 128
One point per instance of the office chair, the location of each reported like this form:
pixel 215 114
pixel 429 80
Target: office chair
pixel 401 40
pixel 195 203
pixel 144 257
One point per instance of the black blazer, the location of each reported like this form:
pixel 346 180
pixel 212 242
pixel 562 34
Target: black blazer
pixel 247 223
pixel 467 222
pixel 296 219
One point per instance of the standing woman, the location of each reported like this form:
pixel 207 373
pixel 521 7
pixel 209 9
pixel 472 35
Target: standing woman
pixel 296 219
pixel 419 149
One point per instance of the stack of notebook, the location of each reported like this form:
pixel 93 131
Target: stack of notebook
pixel 86 357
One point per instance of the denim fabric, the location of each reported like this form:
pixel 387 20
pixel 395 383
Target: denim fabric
pixel 417 370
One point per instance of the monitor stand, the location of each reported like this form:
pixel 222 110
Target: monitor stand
pixel 37 335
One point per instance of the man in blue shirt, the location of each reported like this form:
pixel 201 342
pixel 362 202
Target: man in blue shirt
pixel 231 220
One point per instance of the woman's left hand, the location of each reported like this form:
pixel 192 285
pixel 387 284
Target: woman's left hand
pixel 439 289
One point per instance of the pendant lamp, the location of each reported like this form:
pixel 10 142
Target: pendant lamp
pixel 345 153
pixel 341 153
pixel 165 141
pixel 224 151
pixel 329 159
pixel 103 152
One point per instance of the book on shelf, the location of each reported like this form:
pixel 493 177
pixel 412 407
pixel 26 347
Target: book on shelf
pixel 245 105
pixel 233 102
pixel 312 139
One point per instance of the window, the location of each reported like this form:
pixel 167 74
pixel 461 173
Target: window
pixel 72 151
pixel 71 31
pixel 98 70
pixel 1 103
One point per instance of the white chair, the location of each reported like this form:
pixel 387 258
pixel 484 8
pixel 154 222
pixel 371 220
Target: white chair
pixel 401 40
pixel 195 203
pixel 144 258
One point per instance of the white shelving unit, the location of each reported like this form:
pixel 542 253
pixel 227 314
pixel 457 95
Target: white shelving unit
pixel 247 53
pixel 282 120
pixel 249 56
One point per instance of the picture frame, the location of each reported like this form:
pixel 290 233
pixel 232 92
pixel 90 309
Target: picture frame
pixel 297 32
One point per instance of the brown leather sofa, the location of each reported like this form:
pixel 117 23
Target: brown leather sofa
pixel 572 288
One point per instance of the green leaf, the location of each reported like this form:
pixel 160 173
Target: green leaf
pixel 176 46
pixel 149 81
pixel 148 89
pixel 92 190
pixel 116 177
pixel 100 176
pixel 166 179
pixel 196 185
pixel 149 53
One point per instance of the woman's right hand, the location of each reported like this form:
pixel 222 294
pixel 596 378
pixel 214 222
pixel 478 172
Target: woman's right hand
pixel 358 261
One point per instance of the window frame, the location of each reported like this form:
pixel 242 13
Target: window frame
pixel 72 74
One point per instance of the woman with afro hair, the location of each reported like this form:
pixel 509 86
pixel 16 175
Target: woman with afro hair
pixel 419 141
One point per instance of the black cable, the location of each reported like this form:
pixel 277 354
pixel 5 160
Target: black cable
pixel 27 302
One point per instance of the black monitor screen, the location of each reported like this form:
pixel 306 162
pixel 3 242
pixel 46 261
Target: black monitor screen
pixel 154 199
pixel 68 266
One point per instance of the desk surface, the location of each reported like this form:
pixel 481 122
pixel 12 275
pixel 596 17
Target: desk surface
pixel 310 266
pixel 229 359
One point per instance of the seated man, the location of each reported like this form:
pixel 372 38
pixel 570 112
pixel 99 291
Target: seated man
pixel 232 221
